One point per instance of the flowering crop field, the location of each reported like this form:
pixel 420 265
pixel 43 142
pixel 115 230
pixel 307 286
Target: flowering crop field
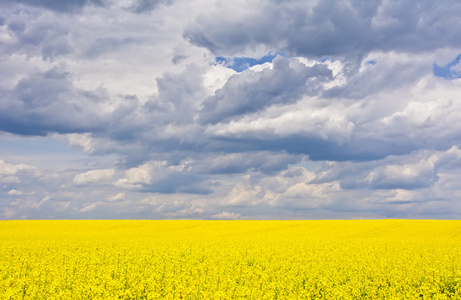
pixel 366 259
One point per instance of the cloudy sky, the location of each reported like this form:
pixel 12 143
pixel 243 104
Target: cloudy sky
pixel 220 109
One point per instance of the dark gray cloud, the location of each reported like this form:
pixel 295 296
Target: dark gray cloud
pixel 250 91
pixel 68 6
pixel 48 102
pixel 180 183
pixel 416 170
pixel 387 72
pixel 33 33
pixel 76 6
pixel 331 28
pixel 143 6
pixel 269 162
pixel 317 148
pixel 178 95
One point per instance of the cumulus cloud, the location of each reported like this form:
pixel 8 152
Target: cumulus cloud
pixel 237 163
pixel 414 171
pixel 250 92
pixel 48 102
pixel 135 177
pixel 11 179
pixel 82 140
pixel 60 6
pixel 94 176
pixel 88 208
pixel 7 170
pixel 225 215
pixel 355 27
pixel 14 192
pixel 143 6
pixel 293 189
pixel 33 32
pixel 116 197
pixel 158 176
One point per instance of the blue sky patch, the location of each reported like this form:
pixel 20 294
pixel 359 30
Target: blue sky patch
pixel 240 64
pixel 450 71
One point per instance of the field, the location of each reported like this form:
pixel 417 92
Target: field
pixel 367 259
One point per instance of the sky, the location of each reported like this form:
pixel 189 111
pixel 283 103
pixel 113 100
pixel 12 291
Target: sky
pixel 220 109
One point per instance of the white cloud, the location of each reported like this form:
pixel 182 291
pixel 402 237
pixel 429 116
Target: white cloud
pixel 225 215
pixel 35 205
pixel 136 177
pixel 116 197
pixel 8 212
pixel 62 206
pixel 7 169
pixel 425 114
pixel 291 188
pixel 89 207
pixel 82 140
pixel 309 116
pixel 94 176
pixel 14 192
pixel 216 77
pixel 11 179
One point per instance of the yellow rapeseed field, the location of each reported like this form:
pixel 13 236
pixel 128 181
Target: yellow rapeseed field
pixel 366 259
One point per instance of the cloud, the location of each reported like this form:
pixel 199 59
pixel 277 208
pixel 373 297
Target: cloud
pixel 251 92
pixel 116 197
pixel 291 189
pixel 59 6
pixel 158 176
pixel 451 71
pixel 94 176
pixel 105 45
pixel 333 28
pixel 33 33
pixel 136 177
pixel 225 215
pixel 11 179
pixel 14 192
pixel 83 140
pixel 48 102
pixel 88 208
pixel 305 118
pixel 414 171
pixel 7 170
pixel 237 163
pixel 40 203
pixel 240 64
pixel 143 6
pixel 408 176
